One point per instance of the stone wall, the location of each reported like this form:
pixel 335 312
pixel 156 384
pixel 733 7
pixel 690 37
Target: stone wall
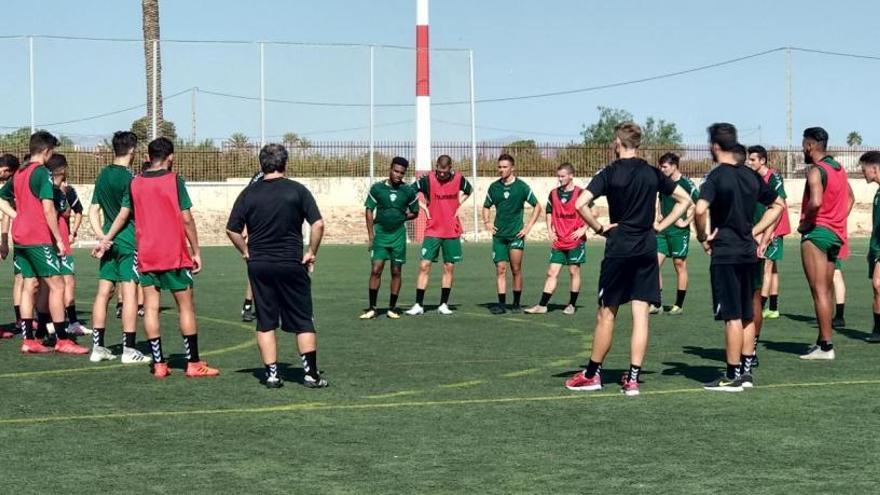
pixel 341 202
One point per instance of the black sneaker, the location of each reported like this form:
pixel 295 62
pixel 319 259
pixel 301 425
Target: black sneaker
pixel 748 381
pixel 838 323
pixel 312 382
pixel 118 312
pixel 141 311
pixel 274 382
pixel 248 314
pixel 874 338
pixel 497 309
pixel 516 308
pixel 725 384
pixel 755 359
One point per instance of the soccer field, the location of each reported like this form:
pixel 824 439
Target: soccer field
pixel 466 403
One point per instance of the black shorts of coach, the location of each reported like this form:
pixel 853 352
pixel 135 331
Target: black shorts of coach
pixel 733 287
pixel 635 278
pixel 282 296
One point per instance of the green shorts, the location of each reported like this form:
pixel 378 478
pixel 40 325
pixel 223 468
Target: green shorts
pixel 118 266
pixel 36 261
pixel 774 250
pixel 432 246
pixel 824 239
pixel 574 256
pixel 838 264
pixel 501 247
pixel 673 245
pixel 68 267
pixel 759 276
pixel 173 280
pixel 389 246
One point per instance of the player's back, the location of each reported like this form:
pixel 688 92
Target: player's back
pixel 733 192
pixel 631 186
pixel 110 187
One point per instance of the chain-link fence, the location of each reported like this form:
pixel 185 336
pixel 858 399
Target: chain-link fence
pixel 352 159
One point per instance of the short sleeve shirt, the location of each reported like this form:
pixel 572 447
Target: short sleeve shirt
pixel 273 211
pixel 509 201
pixel 423 185
pixel 111 193
pixel 631 186
pixel 391 204
pixel 667 203
pixel 733 193
pixel 40 185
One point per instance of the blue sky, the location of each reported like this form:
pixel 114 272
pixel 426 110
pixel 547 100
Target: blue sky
pixel 520 47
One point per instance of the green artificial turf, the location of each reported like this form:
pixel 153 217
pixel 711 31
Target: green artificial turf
pixel 467 403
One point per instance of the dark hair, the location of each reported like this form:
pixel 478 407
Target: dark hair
pixel 759 150
pixel 506 157
pixel 817 134
pixel 723 134
pixel 123 142
pixel 160 149
pixel 566 166
pixel 9 161
pixel 444 161
pixel 670 158
pixel 739 151
pixel 273 158
pixel 56 162
pixel 42 141
pixel 870 158
pixel 398 160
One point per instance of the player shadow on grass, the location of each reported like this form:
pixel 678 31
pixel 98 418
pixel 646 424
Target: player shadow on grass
pixel 286 371
pixel 786 347
pixel 701 374
pixel 847 332
pixel 712 354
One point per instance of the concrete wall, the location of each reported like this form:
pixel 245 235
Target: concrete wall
pixel 341 202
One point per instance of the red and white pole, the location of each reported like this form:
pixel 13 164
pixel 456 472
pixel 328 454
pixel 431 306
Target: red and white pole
pixel 423 104
pixel 423 90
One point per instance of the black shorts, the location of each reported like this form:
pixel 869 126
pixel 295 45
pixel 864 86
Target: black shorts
pixel 622 280
pixel 282 295
pixel 733 287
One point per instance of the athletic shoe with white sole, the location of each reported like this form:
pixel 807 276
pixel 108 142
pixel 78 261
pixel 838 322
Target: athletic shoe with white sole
pixel 368 314
pixel 675 311
pixel 536 310
pixel 311 382
pixel 724 384
pixel 130 355
pixel 443 309
pixel 579 381
pixel 874 338
pixel 770 315
pixel 416 310
pixel 569 310
pixel 78 329
pixel 816 353
pixel 393 313
pixel 748 381
pixel 100 353
pixel 274 382
pixel 629 388
pixel 655 310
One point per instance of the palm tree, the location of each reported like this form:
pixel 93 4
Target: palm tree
pixel 238 142
pixel 150 19
pixel 854 139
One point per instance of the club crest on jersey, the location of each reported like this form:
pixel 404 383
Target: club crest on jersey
pixel 506 194
pixel 563 200
pixel 393 196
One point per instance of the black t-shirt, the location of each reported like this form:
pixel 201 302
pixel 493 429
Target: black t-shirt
pixel 73 200
pixel 631 186
pixel 733 192
pixel 274 211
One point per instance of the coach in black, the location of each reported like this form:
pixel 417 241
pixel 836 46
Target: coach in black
pixel 729 196
pixel 273 212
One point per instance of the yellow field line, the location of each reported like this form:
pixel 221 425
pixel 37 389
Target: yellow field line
pixel 469 383
pixel 514 374
pixel 393 394
pixel 320 406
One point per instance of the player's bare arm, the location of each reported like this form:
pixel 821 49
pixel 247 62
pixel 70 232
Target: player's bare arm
pixel 368 219
pixel 487 220
pixel 239 242
pixel 310 257
pixel 4 237
pixel 192 235
pixel 536 214
pixel 814 183
pixel 7 208
pixel 95 221
pixel 584 208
